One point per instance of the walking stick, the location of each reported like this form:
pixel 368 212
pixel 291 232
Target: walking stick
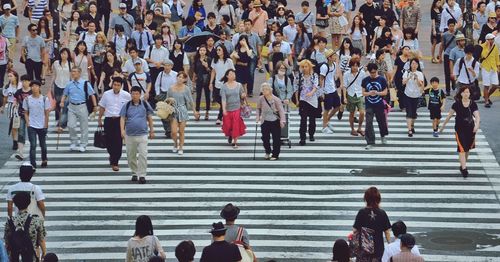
pixel 255 140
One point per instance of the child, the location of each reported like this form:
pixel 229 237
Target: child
pixel 436 104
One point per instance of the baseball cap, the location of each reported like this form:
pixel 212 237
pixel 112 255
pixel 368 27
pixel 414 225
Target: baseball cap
pixel 123 5
pixel 490 36
pixel 7 6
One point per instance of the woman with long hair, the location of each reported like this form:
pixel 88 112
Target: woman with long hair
pixel 109 65
pixel 301 42
pixel 341 251
pixel 44 30
pixel 467 121
pixel 436 10
pixel 183 99
pixel 71 35
pixel 232 93
pixel 242 55
pixel 397 74
pixel 358 34
pixel 201 77
pixel 224 8
pixel 307 85
pixel 62 76
pixel 65 11
pixel 83 60
pixel 336 13
pixel 220 65
pixel 345 53
pixel 168 37
pixel 179 57
pixel 197 10
pixel 144 242
pixel 9 103
pixel 98 55
pixel 414 82
pixel 373 218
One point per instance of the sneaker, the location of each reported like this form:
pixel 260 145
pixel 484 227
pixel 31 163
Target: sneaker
pixel 273 158
pixel 384 140
pixel 174 149
pixel 368 147
pixel 134 178
pixel 180 152
pixel 435 134
pixel 19 156
pixel 142 180
pixel 73 147
pixel 267 157
pixel 82 149
pixel 327 130
pixel 330 126
pixel 487 105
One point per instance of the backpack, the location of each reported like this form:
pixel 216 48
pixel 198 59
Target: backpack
pixel 20 241
pixel 478 49
pixel 130 102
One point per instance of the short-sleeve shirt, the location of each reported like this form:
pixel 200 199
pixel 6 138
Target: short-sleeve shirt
pixel 140 79
pixel 378 84
pixel 449 39
pixel 9 25
pixel 136 116
pixel 113 103
pixel 436 16
pixel 308 19
pixel 36 108
pixel 75 91
pixel 329 72
pixel 20 95
pixel 127 21
pixel 37 231
pixel 232 234
pixel 221 251
pixel 456 53
pixel 376 219
pixel 436 98
pixel 464 115
pixel 231 96
pixel 34 46
pixel 142 249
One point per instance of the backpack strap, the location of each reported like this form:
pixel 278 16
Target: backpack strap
pixel 27 223
pixel 150 49
pixel 239 237
pixel 84 36
pixel 85 87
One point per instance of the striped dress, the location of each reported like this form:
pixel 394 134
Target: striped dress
pixel 37 7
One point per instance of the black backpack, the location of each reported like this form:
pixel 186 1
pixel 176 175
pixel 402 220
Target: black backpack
pixel 20 241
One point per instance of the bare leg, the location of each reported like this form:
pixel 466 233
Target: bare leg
pixel 361 119
pixel 174 126
pixel 182 127
pixel 463 160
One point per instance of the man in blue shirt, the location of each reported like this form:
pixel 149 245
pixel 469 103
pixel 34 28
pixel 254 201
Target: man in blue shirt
pixel 77 108
pixel 10 27
pixel 374 89
pixel 143 39
pixel 136 115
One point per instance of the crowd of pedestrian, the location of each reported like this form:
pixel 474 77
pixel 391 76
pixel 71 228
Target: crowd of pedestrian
pixel 159 57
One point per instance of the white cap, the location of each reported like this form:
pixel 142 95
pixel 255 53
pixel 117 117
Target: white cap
pixel 123 5
pixel 490 36
pixel 6 6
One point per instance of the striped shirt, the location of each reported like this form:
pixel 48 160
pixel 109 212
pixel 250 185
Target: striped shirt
pixel 37 7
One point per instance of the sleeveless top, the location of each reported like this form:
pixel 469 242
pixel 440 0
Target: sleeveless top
pixel 178 61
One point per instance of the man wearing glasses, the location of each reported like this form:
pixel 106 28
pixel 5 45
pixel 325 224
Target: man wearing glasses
pixel 374 89
pixel 32 52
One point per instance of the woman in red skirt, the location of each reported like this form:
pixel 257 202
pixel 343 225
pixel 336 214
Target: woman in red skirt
pixel 231 94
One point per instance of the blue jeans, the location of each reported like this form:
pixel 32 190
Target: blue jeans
pixel 42 136
pixel 21 132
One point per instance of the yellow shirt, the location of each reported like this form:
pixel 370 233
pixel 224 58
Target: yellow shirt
pixel 493 60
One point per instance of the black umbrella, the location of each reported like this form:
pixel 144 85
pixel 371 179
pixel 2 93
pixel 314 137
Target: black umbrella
pixel 199 39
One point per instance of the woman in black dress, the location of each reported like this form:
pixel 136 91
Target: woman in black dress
pixel 242 55
pixel 397 74
pixel 466 125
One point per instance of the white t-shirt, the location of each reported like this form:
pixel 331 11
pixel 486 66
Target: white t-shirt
pixel 394 248
pixel 285 48
pixel 329 72
pixel 113 103
pixel 24 187
pixel 290 33
pixel 142 249
pixel 355 88
pixel 129 65
pixel 36 108
pixel 220 70
pixel 9 92
pixel 412 90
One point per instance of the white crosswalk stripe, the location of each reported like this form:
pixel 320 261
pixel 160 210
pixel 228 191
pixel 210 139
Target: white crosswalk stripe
pixel 294 208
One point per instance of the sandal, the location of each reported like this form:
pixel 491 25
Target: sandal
pixel 235 146
pixel 434 60
pixel 354 133
pixel 206 116
pixel 361 132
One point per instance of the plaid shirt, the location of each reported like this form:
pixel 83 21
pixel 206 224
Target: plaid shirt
pixel 37 229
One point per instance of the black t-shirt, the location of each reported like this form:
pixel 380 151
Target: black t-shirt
pixel 369 13
pixel 436 16
pixel 376 219
pixel 398 77
pixel 464 117
pixel 436 98
pixel 153 26
pixel 389 14
pixel 221 251
pixel 216 30
pixel 382 42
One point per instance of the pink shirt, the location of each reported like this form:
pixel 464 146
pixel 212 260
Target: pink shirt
pixel 259 23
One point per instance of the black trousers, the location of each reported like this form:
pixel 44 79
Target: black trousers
pixel 268 129
pixel 106 15
pixel 378 112
pixel 218 99
pixel 113 139
pixel 33 69
pixel 202 85
pixel 3 69
pixel 447 80
pixel 307 114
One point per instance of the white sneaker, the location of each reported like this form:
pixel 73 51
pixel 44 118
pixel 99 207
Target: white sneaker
pixel 73 147
pixel 384 140
pixel 327 130
pixel 180 152
pixel 267 157
pixel 368 147
pixel 330 126
pixel 174 149
pixel 82 149
pixel 19 155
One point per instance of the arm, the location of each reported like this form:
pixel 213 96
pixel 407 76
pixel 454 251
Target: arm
pixel 450 114
pixel 387 234
pixel 151 128
pixel 41 206
pixel 122 126
pixel 101 113
pixel 212 78
pixel 10 208
pixel 477 119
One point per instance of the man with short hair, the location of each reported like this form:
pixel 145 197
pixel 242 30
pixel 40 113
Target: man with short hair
pixel 176 8
pixel 212 25
pixel 110 106
pixel 143 38
pixel 406 255
pixel 10 27
pixel 136 116
pixel 329 72
pixel 368 11
pixel 398 229
pixel 24 220
pixel 374 89
pixel 490 65
pixel 355 101
pixel 89 36
pixel 466 69
pixel 124 19
pixel 156 55
pixel 33 49
pixel 259 18
pixel 220 250
pixel 290 30
pixel 164 81
pixel 20 95
pixel 448 43
pixel 411 17
pixel 307 17
pixel 26 172
pixel 77 108
pixel 141 79
pixel 129 66
pixel 36 113
pixel 255 43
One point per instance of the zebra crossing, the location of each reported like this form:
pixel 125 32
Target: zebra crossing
pixel 294 208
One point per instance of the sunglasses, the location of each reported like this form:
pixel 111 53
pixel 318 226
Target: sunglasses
pixel 33 29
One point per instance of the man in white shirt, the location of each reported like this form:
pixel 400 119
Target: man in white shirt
pixel 394 248
pixel 286 48
pixel 155 56
pixel 37 207
pixel 110 106
pixel 331 100
pixel 89 37
pixel 141 79
pixel 450 10
pixel 290 31
pixel 466 69
pixel 129 67
pixel 355 99
pixel 164 81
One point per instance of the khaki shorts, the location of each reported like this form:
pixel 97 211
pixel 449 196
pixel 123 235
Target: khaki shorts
pixel 354 103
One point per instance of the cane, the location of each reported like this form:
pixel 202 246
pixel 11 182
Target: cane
pixel 255 140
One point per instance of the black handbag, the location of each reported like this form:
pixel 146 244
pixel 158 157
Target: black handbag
pixel 100 138
pixel 27 11
pixel 88 99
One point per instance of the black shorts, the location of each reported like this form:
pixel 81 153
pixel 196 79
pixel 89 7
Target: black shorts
pixel 331 101
pixel 435 112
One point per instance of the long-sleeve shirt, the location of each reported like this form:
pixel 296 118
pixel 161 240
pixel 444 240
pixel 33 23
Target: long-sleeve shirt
pixel 270 110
